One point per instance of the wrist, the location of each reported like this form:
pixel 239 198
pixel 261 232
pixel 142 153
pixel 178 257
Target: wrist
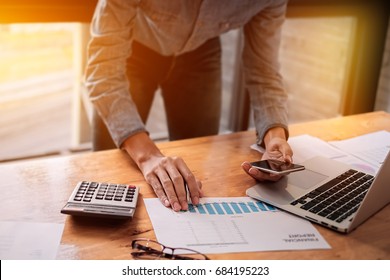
pixel 275 132
pixel 141 148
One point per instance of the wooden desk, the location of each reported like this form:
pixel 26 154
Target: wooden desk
pixel 35 191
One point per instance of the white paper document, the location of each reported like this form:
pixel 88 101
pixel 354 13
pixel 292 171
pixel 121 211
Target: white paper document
pixel 232 224
pixel 307 146
pixel 365 153
pixel 29 241
pixel 371 148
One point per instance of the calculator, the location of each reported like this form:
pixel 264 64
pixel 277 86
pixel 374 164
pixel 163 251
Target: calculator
pixel 102 200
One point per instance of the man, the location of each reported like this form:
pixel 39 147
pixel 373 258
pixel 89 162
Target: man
pixel 138 46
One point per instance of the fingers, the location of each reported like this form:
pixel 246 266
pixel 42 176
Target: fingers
pixel 174 192
pixel 193 186
pixel 257 174
pixel 171 179
pixel 278 149
pixel 177 186
pixel 158 189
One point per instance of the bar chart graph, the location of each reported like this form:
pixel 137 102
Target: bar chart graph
pixel 230 208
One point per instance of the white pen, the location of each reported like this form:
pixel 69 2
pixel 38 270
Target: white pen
pixel 188 195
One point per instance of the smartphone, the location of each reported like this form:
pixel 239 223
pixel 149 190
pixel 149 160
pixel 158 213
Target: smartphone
pixel 276 166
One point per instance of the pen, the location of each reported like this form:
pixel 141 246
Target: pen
pixel 188 195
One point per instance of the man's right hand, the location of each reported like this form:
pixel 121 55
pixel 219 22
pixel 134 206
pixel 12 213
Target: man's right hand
pixel 168 176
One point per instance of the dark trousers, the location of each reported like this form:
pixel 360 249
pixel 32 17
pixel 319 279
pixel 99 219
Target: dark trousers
pixel 190 86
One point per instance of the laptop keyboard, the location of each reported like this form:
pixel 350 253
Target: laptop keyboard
pixel 338 198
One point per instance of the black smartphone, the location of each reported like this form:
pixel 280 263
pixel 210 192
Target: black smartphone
pixel 276 166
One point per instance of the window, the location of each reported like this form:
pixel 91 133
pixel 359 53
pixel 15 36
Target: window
pixel 314 58
pixel 36 80
pixel 42 67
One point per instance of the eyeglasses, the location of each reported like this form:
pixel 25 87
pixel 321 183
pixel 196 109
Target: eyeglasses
pixel 152 250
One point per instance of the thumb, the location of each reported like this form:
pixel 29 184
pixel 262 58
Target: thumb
pixel 288 158
pixel 287 153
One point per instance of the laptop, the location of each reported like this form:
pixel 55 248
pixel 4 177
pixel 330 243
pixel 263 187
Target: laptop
pixel 328 192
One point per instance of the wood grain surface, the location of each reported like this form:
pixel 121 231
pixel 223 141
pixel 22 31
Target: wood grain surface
pixel 36 190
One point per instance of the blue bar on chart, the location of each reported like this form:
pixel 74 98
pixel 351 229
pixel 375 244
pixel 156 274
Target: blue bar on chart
pixel 244 207
pixel 261 206
pixel 191 208
pixel 265 207
pixel 227 208
pixel 201 209
pixel 209 208
pixel 253 207
pixel 236 208
pixel 218 208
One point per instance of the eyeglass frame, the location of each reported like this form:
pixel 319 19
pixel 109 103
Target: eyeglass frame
pixel 146 250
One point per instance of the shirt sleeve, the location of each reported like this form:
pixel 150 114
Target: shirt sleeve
pixel 263 81
pixel 105 76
